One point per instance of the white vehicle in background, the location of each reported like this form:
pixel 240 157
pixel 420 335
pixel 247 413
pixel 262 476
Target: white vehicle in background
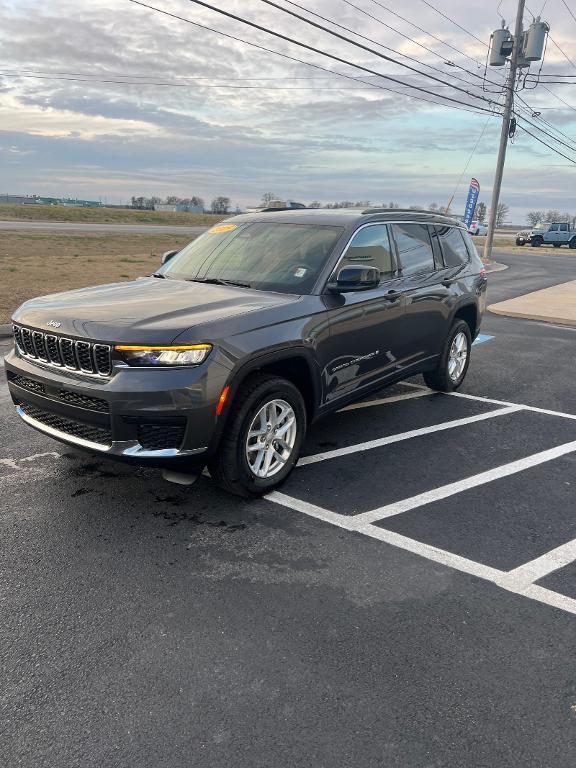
pixel 478 229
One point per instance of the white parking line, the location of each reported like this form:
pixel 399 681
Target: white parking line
pixel 337 452
pixel 502 579
pixel 491 400
pixel 542 566
pixel 504 470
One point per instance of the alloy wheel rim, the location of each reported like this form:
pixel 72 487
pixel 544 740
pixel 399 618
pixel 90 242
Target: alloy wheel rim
pixel 271 438
pixel 458 356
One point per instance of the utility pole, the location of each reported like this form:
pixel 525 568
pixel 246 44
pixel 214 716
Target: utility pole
pixel 508 105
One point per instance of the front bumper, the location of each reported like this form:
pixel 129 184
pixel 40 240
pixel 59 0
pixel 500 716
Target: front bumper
pixel 147 416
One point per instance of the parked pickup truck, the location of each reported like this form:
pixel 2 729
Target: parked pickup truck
pixel 557 234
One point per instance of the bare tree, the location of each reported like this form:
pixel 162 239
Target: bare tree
pixel 552 215
pixel 197 201
pixel 267 198
pixel 315 204
pixel 501 213
pixel 220 205
pixel 433 207
pixel 480 212
pixel 535 217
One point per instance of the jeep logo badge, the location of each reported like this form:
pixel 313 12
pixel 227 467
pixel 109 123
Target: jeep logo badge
pixel 53 324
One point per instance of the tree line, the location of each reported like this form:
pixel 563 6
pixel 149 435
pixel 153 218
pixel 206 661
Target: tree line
pixel 220 205
pixel 534 218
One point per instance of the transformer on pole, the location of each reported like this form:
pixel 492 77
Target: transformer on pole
pixel 522 48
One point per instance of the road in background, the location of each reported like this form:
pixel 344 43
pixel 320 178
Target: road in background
pixel 68 226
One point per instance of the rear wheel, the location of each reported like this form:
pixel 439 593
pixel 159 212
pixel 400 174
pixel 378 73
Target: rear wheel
pixel 572 243
pixel 262 438
pixel 454 360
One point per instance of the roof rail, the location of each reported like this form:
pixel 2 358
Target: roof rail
pixel 403 210
pixel 285 208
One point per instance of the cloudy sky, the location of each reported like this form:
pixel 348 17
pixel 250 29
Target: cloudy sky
pixel 187 111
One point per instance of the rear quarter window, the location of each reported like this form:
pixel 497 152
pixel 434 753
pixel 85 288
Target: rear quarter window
pixel 454 246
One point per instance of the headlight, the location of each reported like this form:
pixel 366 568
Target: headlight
pixel 186 354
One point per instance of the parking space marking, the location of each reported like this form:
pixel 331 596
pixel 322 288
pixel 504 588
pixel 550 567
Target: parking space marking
pixel 503 579
pixel 536 569
pixel 481 339
pixel 444 491
pixel 337 452
pixel 465 395
pixel 386 400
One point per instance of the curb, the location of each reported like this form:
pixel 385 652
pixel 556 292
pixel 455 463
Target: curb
pixel 544 318
pixel 5 331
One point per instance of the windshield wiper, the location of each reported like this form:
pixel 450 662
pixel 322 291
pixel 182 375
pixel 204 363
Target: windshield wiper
pixel 218 281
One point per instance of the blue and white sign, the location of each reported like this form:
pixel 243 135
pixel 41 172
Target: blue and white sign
pixel 473 193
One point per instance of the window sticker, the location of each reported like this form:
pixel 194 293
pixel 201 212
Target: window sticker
pixel 300 272
pixel 222 228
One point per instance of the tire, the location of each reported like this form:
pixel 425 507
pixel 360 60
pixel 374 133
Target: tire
pixel 536 242
pixel 572 243
pixel 230 467
pixel 520 241
pixel 440 378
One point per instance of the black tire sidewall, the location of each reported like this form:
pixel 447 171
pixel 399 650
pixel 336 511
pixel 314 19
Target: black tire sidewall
pixel 274 391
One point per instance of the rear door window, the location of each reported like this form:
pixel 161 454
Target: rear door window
pixel 370 246
pixel 453 246
pixel 414 248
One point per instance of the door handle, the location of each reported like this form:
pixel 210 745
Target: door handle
pixel 392 295
pixel 448 281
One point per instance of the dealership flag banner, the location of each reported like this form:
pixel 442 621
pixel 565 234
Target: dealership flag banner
pixel 473 193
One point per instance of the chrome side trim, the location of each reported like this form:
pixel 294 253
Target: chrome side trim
pixel 41 427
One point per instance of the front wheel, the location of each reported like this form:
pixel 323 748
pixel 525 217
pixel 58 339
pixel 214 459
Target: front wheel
pixel 263 437
pixel 536 242
pixel 453 361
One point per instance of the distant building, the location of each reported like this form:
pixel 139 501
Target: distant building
pixel 178 208
pixel 36 200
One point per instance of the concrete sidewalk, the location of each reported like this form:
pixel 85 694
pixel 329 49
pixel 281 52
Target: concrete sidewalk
pixel 551 305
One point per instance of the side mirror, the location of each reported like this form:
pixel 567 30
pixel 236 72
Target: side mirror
pixel 167 256
pixel 356 279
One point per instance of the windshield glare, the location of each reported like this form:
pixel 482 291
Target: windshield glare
pixel 266 256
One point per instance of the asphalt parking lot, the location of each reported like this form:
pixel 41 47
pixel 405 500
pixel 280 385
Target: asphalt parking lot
pixel 407 599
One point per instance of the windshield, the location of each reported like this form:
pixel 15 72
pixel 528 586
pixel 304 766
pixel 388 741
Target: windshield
pixel 267 256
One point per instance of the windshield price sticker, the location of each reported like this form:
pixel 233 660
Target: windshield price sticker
pixel 222 228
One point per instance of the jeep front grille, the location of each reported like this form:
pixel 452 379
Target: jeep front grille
pixel 59 351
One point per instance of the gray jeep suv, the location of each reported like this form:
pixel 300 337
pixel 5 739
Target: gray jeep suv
pixel 254 330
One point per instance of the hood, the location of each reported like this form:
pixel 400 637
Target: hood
pixel 148 310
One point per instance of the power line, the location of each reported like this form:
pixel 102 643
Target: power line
pixel 426 32
pixel 547 133
pixel 385 47
pixel 332 56
pixel 557 151
pixel 351 42
pixel 436 10
pixel 569 9
pixel 411 39
pixel 474 108
pixel 91 79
